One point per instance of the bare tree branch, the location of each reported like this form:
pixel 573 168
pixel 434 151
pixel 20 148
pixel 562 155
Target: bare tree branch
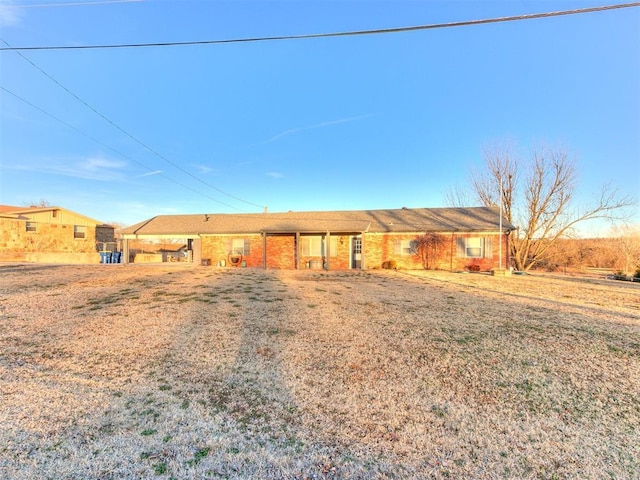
pixel 537 196
pixel 457 197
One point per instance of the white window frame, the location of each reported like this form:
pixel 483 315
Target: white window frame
pixel 405 247
pixel 474 247
pixel 357 246
pixel 480 246
pixel 311 246
pixel 237 246
pixel 315 246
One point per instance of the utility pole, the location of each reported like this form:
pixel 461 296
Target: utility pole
pixel 500 240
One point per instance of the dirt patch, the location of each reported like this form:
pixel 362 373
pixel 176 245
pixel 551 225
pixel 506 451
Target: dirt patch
pixel 116 371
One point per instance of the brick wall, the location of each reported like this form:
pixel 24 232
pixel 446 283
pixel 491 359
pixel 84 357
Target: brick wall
pixel 339 255
pixel 491 258
pixel 381 247
pixel 281 251
pixel 216 249
pixel 378 248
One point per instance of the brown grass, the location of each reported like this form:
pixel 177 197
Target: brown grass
pixel 118 371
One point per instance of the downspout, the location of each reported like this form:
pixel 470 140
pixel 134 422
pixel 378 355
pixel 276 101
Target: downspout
pixel 507 250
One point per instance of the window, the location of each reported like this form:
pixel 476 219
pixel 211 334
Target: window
pixel 314 246
pixel 239 246
pixel 311 246
pixel 405 247
pixel 79 231
pixel 474 247
pixel 32 227
pixel 357 246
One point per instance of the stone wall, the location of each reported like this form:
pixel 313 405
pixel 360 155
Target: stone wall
pixel 62 258
pixel 148 258
pixel 105 234
pixel 46 243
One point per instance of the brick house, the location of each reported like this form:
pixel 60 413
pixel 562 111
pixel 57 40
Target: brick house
pixel 467 238
pixel 50 235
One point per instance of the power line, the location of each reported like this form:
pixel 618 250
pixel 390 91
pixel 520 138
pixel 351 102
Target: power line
pixel 72 4
pixel 67 124
pixel 380 31
pixel 139 142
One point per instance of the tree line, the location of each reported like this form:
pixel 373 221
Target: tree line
pixel 617 254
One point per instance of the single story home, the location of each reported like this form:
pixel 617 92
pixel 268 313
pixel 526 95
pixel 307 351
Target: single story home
pixel 471 238
pixel 47 234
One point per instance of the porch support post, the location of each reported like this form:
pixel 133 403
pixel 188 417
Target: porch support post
pixel 264 250
pixel 197 251
pixel 451 251
pixel 125 251
pixel 328 249
pixel 297 250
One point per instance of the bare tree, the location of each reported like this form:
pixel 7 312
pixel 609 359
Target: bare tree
pixel 628 249
pixel 117 225
pixel 42 203
pixel 537 197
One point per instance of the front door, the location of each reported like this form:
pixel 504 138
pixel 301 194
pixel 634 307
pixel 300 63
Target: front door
pixel 356 252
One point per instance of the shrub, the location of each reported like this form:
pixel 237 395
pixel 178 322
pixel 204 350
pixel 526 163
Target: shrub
pixel 390 265
pixel 473 268
pixel 619 275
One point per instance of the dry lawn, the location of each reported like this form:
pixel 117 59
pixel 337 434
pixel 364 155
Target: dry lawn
pixel 112 371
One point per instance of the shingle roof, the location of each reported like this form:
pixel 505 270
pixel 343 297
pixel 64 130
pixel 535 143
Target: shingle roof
pixel 14 209
pixel 471 219
pixel 18 212
pixel 10 208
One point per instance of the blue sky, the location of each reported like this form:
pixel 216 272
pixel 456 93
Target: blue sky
pixel 378 121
